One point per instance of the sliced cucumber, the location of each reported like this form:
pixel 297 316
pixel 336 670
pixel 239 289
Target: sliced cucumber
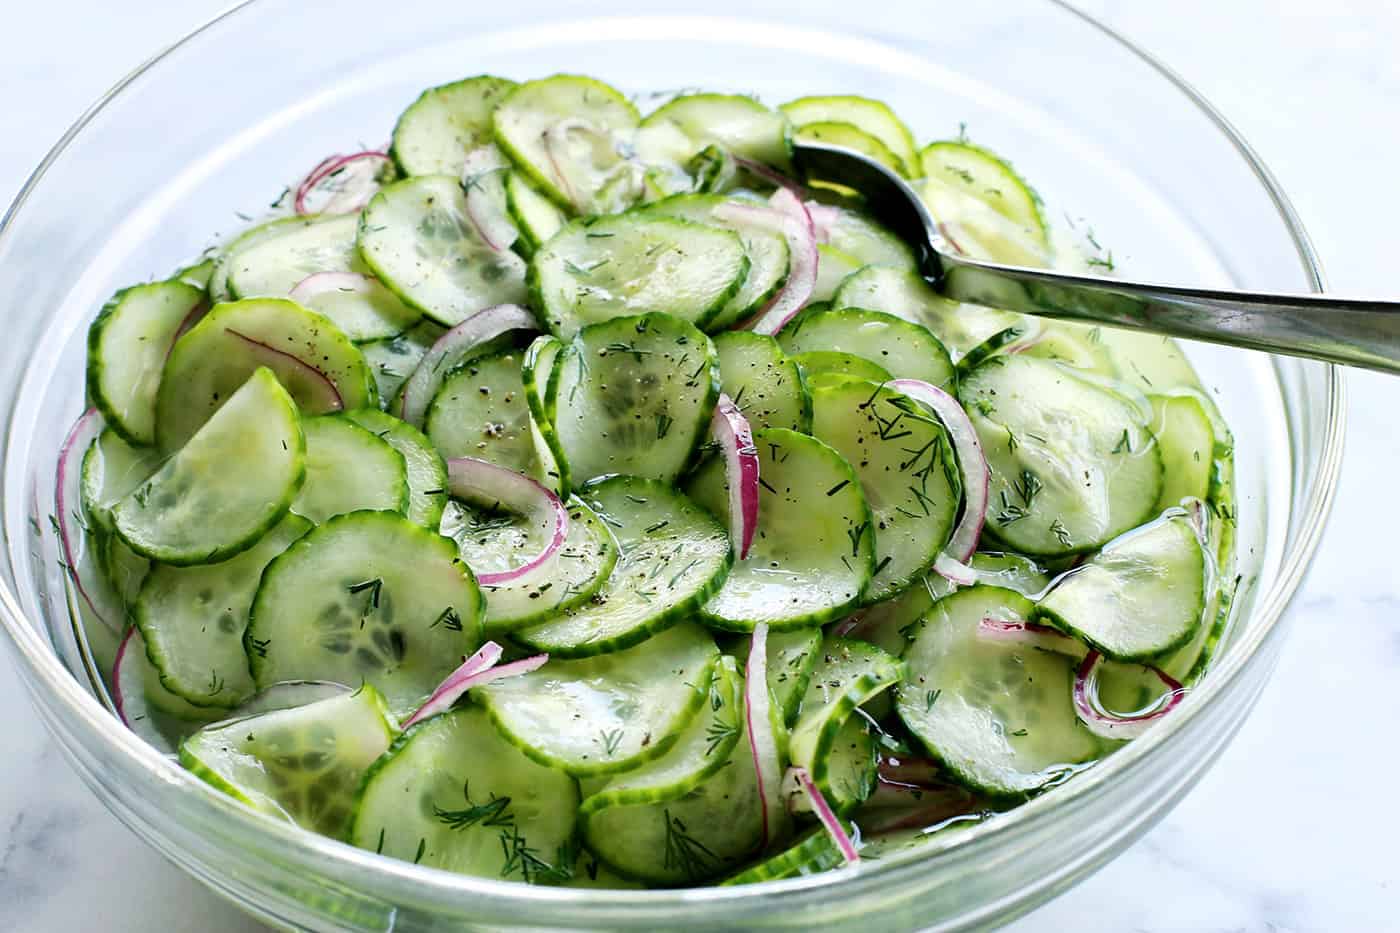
pixel 564 133
pixel 312 358
pixel 702 749
pixel 226 487
pixel 907 471
pixel 537 373
pixel 703 834
pixel 435 133
pixel 493 542
pixel 112 469
pixel 148 709
pixel 769 257
pixel 854 234
pixel 833 268
pixel 393 359
pixel 426 473
pixel 349 468
pixel 848 674
pixel 452 794
pixel 977 173
pixel 197 274
pixel 1186 439
pixel 481 411
pixel 614 266
pixel 766 385
pixel 363 307
pixel 997 715
pixel 218 288
pixel 827 367
pixel 673 558
pixel 736 124
pixel 301 764
pixel 792 655
pixel 871 116
pixel 849 136
pixel 852 760
pixel 610 713
pixel 123 568
pixel 193 619
pixel 814 852
pixel 1073 465
pixel 903 349
pixel 634 395
pixel 1139 598
pixel 418 238
pixel 536 216
pixel 127 347
pixel 812 556
pixel 366 597
pixel 905 294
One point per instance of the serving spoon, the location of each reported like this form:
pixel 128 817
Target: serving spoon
pixel 1352 331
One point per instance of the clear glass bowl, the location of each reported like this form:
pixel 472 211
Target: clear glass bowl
pixel 202 131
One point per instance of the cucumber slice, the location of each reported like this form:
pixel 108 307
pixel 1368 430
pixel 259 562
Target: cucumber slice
pixel 1074 344
pixel 481 411
pixel 905 294
pixel 833 268
pixel 418 238
pixel 768 253
pixel 907 471
pixel 814 852
pixel 1072 465
pixel 127 346
pixel 537 373
pixel 996 715
pixel 309 355
pixel 812 556
pixel 197 274
pixel 848 674
pixel 702 749
pixel 852 761
pixel 829 367
pixel 368 597
pixel 849 136
pixel 156 715
pixel 673 557
pixel 226 487
pixel 765 384
pixel 869 242
pixel 493 542
pixel 903 349
pixel 435 133
pixel 702 834
pixel 871 116
pixel 364 308
pixel 563 132
pixel 452 794
pixel 978 173
pixel 1186 439
pixel 609 713
pixel 736 124
pixel 1139 598
pixel 122 568
pixel 218 288
pixel 111 470
pixel 302 764
pixel 792 655
pixel 634 395
pixel 393 360
pixel 426 473
pixel 349 468
pixel 536 216
pixel 193 619
pixel 611 267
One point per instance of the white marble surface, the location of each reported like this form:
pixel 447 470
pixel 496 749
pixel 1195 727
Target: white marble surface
pixel 1293 830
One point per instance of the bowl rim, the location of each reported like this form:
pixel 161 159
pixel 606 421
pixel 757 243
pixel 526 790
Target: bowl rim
pixel 314 850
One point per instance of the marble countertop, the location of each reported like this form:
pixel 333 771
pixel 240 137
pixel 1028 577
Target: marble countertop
pixel 1264 842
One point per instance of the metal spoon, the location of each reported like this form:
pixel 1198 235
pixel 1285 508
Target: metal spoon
pixel 1351 331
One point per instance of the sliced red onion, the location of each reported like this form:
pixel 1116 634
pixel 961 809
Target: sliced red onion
pixel 1032 635
pixel 483 177
pixel 366 164
pixel 556 148
pixel 1110 725
pixel 769 174
pixel 849 624
pixel 731 430
pixel 453 347
pixel 972 463
pixel 68 502
pixel 129 692
pixel 786 215
pixel 486 484
pixel 319 283
pixel 908 771
pixel 763 744
pixel 954 571
pixel 827 816
pixel 476 670
pixel 326 395
pixel 891 809
pixel 824 217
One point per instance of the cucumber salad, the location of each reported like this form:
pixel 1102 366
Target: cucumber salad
pixel 576 497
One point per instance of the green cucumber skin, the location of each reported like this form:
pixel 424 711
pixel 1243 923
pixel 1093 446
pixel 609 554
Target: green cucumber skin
pixel 491 85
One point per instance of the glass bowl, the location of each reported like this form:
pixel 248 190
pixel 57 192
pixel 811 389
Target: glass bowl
pixel 204 129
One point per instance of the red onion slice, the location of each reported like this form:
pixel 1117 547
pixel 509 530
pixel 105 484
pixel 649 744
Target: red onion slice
pixel 1032 635
pixel 730 429
pixel 319 283
pixel 824 217
pixel 829 820
pixel 911 772
pixel 483 177
pixel 972 463
pixel 353 192
pixel 476 670
pixel 763 744
pixel 450 349
pixel 769 174
pixel 68 502
pixel 486 484
pixel 325 396
pixel 787 215
pixel 1110 725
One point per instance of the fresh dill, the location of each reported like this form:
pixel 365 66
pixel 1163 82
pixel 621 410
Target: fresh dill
pixel 448 619
pixel 684 852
